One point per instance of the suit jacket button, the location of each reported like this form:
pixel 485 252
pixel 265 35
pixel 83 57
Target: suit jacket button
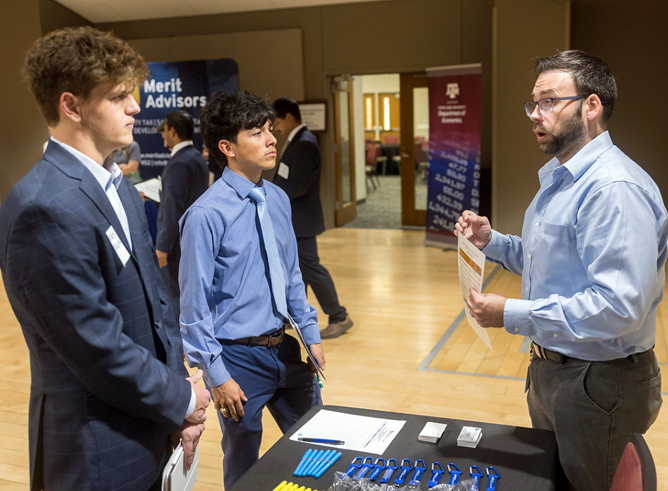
pixel 156 324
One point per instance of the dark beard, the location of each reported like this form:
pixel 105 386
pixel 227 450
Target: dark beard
pixel 571 136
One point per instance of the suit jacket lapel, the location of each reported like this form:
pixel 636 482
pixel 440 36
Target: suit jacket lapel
pixel 298 135
pixel 72 167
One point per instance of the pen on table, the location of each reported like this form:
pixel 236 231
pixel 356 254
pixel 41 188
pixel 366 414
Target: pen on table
pixel 315 462
pixel 321 440
pixel 328 465
pixel 324 458
pixel 304 462
pixel 280 486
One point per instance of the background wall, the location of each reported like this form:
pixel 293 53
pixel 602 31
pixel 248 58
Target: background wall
pixel 401 36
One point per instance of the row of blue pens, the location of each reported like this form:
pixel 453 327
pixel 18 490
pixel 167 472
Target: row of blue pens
pixel 316 462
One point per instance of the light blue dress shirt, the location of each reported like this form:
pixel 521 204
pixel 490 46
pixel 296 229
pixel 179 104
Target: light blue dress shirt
pixel 225 292
pixel 592 257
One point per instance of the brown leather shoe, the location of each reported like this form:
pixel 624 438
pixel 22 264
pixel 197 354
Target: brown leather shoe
pixel 335 329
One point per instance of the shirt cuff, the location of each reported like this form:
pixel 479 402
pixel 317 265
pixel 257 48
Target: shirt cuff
pixel 216 374
pixel 191 406
pixel 517 318
pixel 311 335
pixel 497 246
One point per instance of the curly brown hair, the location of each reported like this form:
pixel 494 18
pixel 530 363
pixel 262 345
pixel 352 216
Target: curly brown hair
pixel 77 60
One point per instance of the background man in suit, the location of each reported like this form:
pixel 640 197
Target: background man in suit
pixel 109 386
pixel 184 179
pixel 298 175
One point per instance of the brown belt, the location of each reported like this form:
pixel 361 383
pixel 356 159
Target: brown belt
pixel 537 351
pixel 269 340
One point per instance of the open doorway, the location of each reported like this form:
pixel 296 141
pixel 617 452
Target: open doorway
pixel 392 136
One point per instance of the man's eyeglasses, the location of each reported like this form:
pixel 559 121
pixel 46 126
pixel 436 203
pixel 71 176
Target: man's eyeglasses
pixel 547 105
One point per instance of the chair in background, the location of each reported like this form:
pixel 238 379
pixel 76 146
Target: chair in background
pixel 421 165
pixel 636 471
pixel 372 155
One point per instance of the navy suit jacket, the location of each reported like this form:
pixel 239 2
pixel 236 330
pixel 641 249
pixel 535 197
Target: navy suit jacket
pixel 106 360
pixel 184 179
pixel 302 157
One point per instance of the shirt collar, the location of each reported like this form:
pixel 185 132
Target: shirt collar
pixel 295 131
pixel 181 145
pixel 581 161
pixel 588 154
pixel 239 183
pixel 103 174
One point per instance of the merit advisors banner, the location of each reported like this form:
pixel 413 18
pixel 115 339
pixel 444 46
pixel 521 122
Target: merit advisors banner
pixel 454 149
pixel 176 85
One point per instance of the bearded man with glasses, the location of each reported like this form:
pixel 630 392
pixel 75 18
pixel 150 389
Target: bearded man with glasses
pixel 592 257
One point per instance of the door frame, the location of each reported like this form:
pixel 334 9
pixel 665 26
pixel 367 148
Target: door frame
pixel 345 212
pixel 410 216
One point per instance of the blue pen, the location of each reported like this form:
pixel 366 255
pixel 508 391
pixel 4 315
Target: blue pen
pixel 321 440
pixel 315 460
pixel 305 458
pixel 323 461
pixel 328 465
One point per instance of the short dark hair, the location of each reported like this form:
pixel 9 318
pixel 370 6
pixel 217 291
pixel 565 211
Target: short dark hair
pixel 77 60
pixel 225 115
pixel 591 76
pixel 182 122
pixel 285 105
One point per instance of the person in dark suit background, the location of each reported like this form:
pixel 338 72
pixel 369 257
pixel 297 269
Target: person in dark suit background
pixel 184 179
pixel 109 391
pixel 298 174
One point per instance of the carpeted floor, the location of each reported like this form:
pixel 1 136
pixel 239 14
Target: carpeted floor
pixel 382 208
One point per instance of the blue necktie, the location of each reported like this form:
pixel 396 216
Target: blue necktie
pixel 269 241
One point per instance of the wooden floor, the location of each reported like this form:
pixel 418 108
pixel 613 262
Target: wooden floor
pixel 410 351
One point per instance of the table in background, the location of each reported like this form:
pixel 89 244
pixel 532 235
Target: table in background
pixel 525 458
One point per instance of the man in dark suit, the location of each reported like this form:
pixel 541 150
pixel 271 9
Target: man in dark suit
pixel 109 388
pixel 184 179
pixel 298 174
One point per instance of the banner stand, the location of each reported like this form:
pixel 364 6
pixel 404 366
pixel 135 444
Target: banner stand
pixel 454 150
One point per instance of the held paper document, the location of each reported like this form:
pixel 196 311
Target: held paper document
pixel 151 188
pixel 471 272
pixel 361 433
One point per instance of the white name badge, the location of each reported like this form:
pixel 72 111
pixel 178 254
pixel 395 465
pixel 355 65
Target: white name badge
pixel 118 246
pixel 283 170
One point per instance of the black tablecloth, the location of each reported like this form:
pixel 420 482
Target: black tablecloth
pixel 525 458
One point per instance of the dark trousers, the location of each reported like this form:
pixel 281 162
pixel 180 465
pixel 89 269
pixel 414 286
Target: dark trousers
pixel 593 408
pixel 273 377
pixel 318 278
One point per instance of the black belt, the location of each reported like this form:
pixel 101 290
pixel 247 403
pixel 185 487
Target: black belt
pixel 537 351
pixel 269 340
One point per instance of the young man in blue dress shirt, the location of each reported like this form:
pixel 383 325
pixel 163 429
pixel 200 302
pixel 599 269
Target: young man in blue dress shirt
pixel 592 257
pixel 231 329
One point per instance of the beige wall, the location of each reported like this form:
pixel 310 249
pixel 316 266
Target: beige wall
pixel 521 34
pixel 632 39
pixel 400 36
pixel 22 127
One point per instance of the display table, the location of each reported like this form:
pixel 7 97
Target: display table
pixel 525 458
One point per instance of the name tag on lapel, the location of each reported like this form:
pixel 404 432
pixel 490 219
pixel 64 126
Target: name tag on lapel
pixel 283 170
pixel 118 246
